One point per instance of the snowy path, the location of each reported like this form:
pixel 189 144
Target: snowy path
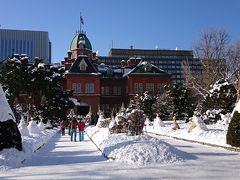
pixel 62 159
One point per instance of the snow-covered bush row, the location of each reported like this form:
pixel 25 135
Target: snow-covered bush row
pixel 212 134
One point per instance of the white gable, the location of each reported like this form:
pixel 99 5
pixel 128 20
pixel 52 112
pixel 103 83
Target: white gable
pixel 83 65
pixel 5 110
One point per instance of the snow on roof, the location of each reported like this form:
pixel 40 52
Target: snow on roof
pixel 76 103
pixel 41 65
pixel 5 110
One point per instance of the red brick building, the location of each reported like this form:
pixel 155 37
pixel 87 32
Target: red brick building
pixel 107 87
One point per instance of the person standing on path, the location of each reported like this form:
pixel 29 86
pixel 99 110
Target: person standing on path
pixel 73 124
pixel 63 126
pixel 81 128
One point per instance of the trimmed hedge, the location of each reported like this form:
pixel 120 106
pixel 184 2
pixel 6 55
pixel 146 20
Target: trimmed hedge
pixel 10 136
pixel 233 133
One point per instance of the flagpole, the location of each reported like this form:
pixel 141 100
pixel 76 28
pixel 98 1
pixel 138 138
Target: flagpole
pixel 80 23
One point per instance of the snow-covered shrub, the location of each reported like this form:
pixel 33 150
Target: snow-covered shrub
pixel 41 126
pixel 197 123
pixel 88 118
pixel 23 127
pixel 233 133
pixel 175 125
pixel 118 125
pixel 131 123
pixel 147 122
pixel 33 128
pixel 212 116
pixel 102 121
pixel 221 100
pixel 136 121
pixel 49 125
pixel 158 122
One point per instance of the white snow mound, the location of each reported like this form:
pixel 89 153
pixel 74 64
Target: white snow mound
pixel 139 150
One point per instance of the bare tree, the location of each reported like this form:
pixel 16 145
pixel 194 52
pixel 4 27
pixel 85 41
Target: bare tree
pixel 233 56
pixel 211 50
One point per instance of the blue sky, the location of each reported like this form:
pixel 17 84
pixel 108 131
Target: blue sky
pixel 166 24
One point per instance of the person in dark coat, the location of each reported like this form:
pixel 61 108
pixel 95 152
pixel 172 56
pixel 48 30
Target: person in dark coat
pixel 73 125
pixel 63 126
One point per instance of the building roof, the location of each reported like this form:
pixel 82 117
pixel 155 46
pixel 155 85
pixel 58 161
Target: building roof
pixel 80 41
pixel 82 65
pixel 145 68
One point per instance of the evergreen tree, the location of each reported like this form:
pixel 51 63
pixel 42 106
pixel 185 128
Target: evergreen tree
pixel 221 99
pixel 56 104
pixel 163 106
pixel 40 84
pixel 144 102
pixel 233 133
pixel 222 96
pixel 174 101
pixel 182 105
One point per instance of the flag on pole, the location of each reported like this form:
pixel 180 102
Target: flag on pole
pixel 81 19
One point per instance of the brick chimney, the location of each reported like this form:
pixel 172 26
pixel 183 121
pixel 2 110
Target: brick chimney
pixel 69 54
pixel 132 62
pixel 123 65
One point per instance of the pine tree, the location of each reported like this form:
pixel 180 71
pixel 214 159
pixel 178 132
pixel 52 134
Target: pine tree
pixel 144 102
pixel 221 99
pixel 41 84
pixel 233 133
pixel 182 106
pixel 163 106
pixel 174 101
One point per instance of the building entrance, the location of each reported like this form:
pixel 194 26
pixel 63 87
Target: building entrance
pixel 83 109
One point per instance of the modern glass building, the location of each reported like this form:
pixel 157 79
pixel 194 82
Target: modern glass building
pixel 171 61
pixel 32 43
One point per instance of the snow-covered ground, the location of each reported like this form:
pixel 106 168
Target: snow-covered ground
pixel 214 134
pixel 62 159
pixel 145 150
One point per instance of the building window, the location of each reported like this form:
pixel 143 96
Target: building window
pixel 105 90
pixel 76 87
pixel 150 87
pixel 89 88
pixel 138 87
pixel 83 65
pixel 117 90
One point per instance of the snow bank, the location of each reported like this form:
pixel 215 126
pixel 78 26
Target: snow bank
pixel 134 150
pixel 10 158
